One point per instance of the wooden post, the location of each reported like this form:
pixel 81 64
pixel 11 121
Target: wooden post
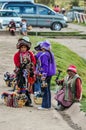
pixel 85 6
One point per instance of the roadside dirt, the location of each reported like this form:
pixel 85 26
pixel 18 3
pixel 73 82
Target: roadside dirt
pixel 30 118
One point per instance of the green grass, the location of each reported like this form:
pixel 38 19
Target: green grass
pixel 83 104
pixel 58 34
pixel 64 57
pixel 55 33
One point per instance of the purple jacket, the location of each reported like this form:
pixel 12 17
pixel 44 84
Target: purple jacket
pixel 38 55
pixel 48 65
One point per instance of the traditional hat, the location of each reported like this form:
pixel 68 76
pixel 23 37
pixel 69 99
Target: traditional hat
pixel 38 47
pixel 72 68
pixel 24 41
pixel 46 45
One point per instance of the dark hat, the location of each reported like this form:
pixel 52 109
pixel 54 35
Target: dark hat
pixel 38 47
pixel 24 41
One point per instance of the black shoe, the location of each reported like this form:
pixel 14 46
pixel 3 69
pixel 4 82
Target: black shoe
pixel 28 104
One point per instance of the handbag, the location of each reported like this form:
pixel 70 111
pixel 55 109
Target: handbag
pixel 29 27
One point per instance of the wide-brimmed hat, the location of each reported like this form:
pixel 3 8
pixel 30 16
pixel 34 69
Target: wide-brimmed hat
pixel 38 46
pixel 24 41
pixel 46 45
pixel 72 68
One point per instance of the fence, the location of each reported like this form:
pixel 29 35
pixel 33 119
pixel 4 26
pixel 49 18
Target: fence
pixel 80 17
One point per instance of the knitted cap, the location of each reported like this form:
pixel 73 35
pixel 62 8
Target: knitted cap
pixel 72 68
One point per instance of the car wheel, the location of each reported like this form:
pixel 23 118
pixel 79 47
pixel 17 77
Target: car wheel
pixel 56 26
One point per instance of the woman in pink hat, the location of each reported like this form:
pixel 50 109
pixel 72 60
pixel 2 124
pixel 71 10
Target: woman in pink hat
pixel 71 90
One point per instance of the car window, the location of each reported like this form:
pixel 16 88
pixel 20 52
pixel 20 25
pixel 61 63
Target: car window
pixel 29 10
pixel 14 14
pixel 8 14
pixel 17 9
pixel 3 14
pixel 23 9
pixel 44 11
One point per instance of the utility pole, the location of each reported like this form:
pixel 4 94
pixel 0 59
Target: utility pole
pixel 85 6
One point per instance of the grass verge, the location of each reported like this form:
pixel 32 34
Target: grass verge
pixel 59 34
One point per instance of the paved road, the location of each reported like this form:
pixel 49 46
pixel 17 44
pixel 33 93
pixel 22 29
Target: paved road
pixel 71 28
pixel 76 27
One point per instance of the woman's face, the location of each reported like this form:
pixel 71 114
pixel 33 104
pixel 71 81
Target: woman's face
pixel 23 48
pixel 70 73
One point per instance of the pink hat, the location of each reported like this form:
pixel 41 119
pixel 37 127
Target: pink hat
pixel 72 68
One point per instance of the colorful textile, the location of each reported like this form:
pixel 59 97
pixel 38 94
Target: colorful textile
pixel 17 61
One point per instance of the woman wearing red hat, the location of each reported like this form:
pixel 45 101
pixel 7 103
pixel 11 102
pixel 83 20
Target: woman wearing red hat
pixel 71 90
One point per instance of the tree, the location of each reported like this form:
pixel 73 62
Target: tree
pixel 85 6
pixel 75 2
pixel 46 2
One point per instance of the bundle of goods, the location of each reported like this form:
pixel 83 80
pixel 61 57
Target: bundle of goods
pixel 29 27
pixel 37 98
pixel 14 99
pixel 10 80
pixel 43 84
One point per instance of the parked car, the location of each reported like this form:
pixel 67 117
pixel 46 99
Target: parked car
pixel 38 15
pixel 0 23
pixel 7 15
pixel 4 1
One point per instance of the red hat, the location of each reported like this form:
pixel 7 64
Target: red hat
pixel 72 68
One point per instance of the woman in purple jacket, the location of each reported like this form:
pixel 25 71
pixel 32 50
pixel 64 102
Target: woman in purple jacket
pixel 48 69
